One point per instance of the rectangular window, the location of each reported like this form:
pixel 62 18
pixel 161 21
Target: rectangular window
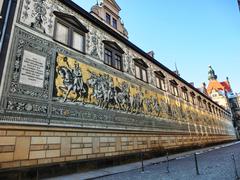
pixel 118 62
pixel 138 73
pixel 78 42
pixel 108 18
pixel 61 33
pixel 113 58
pixel 160 83
pixel 69 35
pixel 209 108
pixel 200 103
pixel 141 73
pixel 185 95
pixel 108 57
pixel 205 104
pixel 175 90
pixel 193 100
pixel 114 23
pixel 144 75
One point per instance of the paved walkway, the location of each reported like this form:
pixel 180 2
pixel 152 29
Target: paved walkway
pixel 181 167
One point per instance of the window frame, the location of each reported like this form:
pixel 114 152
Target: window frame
pixel 200 103
pixel 210 108
pixel 162 80
pixel 71 30
pixel 174 88
pixel 162 84
pixel 114 53
pixel 114 20
pixel 84 39
pixel 108 21
pixel 193 98
pixel 204 104
pixel 185 94
pixel 142 68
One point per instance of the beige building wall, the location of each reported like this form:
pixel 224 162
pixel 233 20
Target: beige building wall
pixel 24 146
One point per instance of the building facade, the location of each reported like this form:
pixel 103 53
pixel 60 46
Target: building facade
pixel 74 88
pixel 221 93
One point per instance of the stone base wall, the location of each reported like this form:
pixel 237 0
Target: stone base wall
pixel 29 146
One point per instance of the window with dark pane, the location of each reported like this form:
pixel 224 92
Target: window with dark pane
pixel 160 82
pixel 108 18
pixel 193 99
pixel 108 57
pixel 141 72
pixel 174 88
pixel 114 23
pixel 118 62
pixel 112 56
pixel 185 95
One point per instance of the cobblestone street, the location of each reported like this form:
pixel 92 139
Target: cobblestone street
pixel 216 164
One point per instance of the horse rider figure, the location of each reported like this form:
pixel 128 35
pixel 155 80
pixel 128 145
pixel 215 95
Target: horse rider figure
pixel 78 79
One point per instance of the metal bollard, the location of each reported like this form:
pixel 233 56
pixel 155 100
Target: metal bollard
pixel 168 164
pixel 196 163
pixel 142 155
pixel 235 166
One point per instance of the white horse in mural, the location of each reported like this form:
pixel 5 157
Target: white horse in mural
pixel 71 83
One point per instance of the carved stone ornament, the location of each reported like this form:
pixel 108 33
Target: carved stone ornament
pixel 37 46
pixel 38 14
pixel 27 107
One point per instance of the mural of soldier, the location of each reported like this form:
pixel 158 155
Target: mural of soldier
pixel 72 82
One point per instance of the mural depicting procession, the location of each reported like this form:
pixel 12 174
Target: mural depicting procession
pixel 76 82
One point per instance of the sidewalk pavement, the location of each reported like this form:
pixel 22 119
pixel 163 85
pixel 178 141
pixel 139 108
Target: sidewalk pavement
pixel 137 165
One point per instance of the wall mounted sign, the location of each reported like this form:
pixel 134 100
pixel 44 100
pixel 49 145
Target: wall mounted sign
pixel 33 69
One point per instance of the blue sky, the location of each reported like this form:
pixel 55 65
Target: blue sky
pixel 192 33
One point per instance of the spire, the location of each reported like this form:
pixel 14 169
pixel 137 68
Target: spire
pixel 176 70
pixel 204 88
pixel 211 74
pixel 228 81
